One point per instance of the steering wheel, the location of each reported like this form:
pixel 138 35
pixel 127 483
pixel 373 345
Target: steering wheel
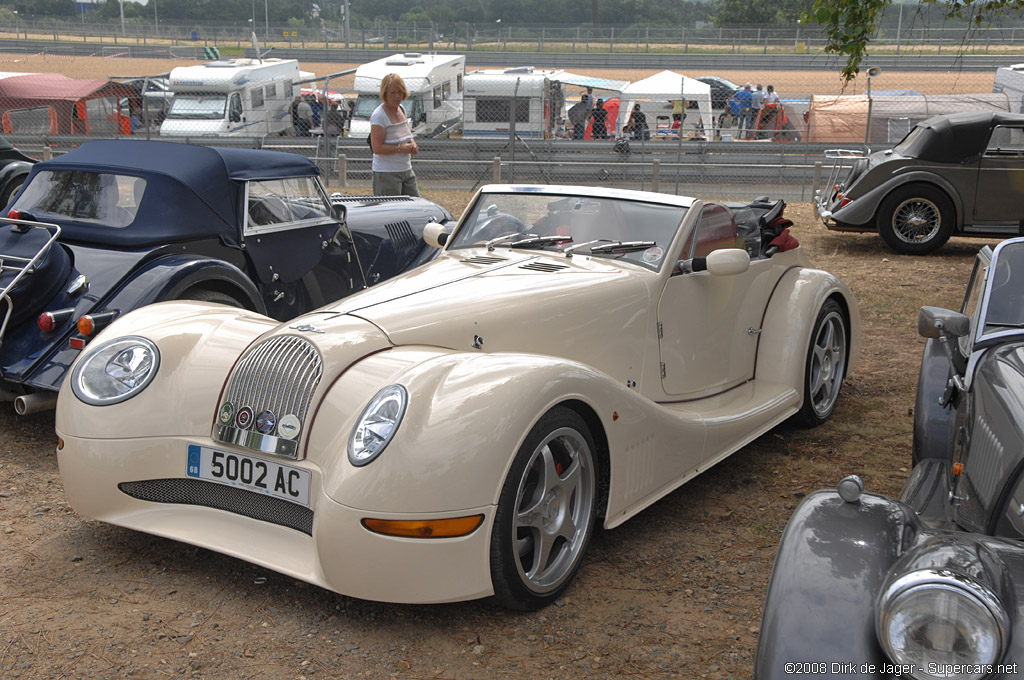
pixel 499 225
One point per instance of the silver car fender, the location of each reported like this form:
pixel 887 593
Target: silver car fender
pixel 863 210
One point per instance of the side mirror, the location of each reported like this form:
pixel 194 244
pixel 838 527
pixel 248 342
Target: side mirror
pixel 422 118
pixel 435 235
pixel 934 322
pixel 722 262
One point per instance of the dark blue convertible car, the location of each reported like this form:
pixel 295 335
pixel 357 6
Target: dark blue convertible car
pixel 114 225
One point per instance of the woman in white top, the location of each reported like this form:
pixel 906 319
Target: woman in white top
pixel 392 142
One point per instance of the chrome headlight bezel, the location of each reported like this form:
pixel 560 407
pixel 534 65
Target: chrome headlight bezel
pixel 95 364
pixel 388 406
pixel 902 592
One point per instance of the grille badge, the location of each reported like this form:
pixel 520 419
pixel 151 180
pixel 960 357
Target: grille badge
pixel 289 426
pixel 227 413
pixel 265 422
pixel 244 418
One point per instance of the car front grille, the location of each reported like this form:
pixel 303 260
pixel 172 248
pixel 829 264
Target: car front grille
pixel 277 377
pixel 221 497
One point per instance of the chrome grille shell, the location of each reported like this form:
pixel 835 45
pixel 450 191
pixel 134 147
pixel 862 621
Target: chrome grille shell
pixel 278 375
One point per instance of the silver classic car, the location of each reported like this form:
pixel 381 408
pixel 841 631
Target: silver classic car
pixel 956 174
pixel 928 585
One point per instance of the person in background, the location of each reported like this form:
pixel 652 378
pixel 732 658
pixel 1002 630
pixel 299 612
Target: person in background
pixel 304 115
pixel 578 117
pixel 771 97
pixel 599 118
pixel 755 110
pixel 317 108
pixel 745 98
pixel 590 99
pixel 334 121
pixel 638 124
pixel 392 142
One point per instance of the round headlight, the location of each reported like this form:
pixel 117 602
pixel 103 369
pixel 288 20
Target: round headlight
pixel 115 371
pixel 942 625
pixel 377 424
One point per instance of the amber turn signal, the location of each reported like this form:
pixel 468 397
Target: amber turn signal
pixel 958 468
pixel 91 323
pixel 425 528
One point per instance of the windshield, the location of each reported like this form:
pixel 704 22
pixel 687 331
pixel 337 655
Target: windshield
pixel 1005 307
pixel 633 231
pixel 91 197
pixel 366 103
pixel 202 106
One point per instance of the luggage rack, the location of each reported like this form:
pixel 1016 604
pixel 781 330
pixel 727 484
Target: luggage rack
pixel 20 265
pixel 823 195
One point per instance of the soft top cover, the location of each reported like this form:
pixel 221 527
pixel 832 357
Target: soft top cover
pixel 954 137
pixel 191 191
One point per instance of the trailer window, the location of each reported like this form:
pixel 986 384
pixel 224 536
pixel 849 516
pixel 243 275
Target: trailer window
pixel 271 91
pixel 498 110
pixel 458 82
pixel 257 98
pixel 446 91
pixel 437 96
pixel 202 106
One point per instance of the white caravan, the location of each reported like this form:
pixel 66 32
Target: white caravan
pixel 1010 80
pixel 539 103
pixel 434 81
pixel 233 97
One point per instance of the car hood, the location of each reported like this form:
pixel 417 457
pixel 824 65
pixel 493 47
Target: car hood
pixel 586 309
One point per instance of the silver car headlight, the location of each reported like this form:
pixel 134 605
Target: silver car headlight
pixel 115 370
pixel 377 424
pixel 942 625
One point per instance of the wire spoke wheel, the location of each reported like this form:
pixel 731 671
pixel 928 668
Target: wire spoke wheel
pixel 916 220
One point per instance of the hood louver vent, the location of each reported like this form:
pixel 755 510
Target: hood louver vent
pixel 543 267
pixel 483 259
pixel 401 234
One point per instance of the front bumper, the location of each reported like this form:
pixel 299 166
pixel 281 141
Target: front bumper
pixel 340 555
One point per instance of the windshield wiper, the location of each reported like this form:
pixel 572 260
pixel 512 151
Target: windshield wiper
pixel 535 241
pixel 622 246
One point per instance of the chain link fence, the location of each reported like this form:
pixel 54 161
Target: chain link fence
pixel 476 126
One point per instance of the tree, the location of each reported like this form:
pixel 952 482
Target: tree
pixel 849 24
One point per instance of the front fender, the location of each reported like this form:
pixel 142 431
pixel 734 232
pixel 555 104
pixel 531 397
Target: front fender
pixel 934 425
pixel 862 210
pixel 467 416
pixel 198 343
pixel 832 561
pixel 789 322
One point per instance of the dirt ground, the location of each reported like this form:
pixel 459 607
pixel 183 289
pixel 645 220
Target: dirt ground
pixel 677 592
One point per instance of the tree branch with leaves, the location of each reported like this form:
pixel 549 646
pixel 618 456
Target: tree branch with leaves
pixel 850 24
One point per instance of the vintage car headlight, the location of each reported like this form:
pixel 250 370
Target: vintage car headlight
pixel 942 624
pixel 115 371
pixel 377 424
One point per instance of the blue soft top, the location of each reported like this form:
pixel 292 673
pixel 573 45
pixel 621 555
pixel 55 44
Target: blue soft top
pixel 191 191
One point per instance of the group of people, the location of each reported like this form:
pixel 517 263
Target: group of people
pixel 308 114
pixel 744 108
pixel 591 110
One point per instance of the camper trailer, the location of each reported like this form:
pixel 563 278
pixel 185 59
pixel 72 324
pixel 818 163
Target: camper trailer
pixel 1010 81
pixel 235 97
pixel 536 97
pixel 434 81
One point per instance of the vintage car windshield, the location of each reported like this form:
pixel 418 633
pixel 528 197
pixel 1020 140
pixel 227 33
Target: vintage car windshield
pixel 205 106
pixel 633 231
pixel 101 199
pixel 1004 308
pixel 914 142
pixel 283 203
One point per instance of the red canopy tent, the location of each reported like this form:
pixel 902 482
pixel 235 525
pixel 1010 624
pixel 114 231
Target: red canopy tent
pixel 51 102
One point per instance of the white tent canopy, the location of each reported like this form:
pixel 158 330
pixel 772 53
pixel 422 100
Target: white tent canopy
pixel 667 86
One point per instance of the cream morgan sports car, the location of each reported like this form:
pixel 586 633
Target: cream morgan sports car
pixel 572 355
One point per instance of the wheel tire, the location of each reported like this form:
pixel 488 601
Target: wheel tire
pixel 203 295
pixel 549 497
pixel 916 219
pixel 825 367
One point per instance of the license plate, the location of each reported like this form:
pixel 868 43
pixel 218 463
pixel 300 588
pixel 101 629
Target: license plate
pixel 259 475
